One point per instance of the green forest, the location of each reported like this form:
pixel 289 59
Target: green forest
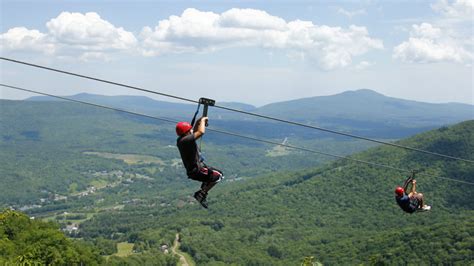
pixel 342 213
pixel 25 241
pixel 30 242
pixel 83 180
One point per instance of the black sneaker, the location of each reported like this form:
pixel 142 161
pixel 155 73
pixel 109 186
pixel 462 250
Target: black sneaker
pixel 201 198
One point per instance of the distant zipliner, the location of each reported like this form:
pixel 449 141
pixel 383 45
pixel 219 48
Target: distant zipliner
pixel 413 201
pixel 190 153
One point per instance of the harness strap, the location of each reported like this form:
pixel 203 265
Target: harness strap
pixel 195 114
pixel 201 157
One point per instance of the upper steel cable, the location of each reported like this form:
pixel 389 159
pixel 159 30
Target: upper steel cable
pixel 242 112
pixel 97 79
pixel 235 134
pixel 347 134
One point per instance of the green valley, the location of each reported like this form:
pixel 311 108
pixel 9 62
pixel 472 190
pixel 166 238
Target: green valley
pixel 342 213
pixel 115 185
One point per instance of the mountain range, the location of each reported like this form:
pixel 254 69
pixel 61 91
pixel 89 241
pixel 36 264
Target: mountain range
pixel 363 112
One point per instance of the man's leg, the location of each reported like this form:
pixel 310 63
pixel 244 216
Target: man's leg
pixel 215 176
pixel 419 197
pixel 200 195
pixel 423 206
pixel 209 178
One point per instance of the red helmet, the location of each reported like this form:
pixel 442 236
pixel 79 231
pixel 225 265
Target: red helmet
pixel 183 128
pixel 399 191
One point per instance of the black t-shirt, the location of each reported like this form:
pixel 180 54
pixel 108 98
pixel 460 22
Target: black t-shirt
pixel 189 152
pixel 406 203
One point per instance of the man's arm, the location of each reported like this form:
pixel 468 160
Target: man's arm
pixel 413 188
pixel 200 128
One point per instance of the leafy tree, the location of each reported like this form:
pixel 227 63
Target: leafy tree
pixel 31 242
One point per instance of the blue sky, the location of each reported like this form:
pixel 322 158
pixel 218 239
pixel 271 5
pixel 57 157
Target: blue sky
pixel 255 52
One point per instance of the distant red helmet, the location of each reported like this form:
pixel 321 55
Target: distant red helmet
pixel 399 191
pixel 183 128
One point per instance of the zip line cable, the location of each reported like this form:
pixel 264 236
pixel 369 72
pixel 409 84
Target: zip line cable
pixel 98 79
pixel 348 135
pixel 236 135
pixel 240 111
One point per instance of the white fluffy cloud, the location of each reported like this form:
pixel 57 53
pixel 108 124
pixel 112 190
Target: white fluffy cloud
pixel 250 19
pixel 23 39
pixel 85 35
pixel 458 9
pixel 194 31
pixel 446 39
pixel 89 37
pixel 89 32
pixel 429 44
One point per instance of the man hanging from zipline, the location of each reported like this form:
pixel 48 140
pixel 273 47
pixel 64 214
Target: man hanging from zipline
pixel 413 201
pixel 196 169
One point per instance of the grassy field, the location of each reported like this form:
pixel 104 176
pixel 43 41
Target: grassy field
pixel 124 249
pixel 278 151
pixel 68 217
pixel 99 184
pixel 130 159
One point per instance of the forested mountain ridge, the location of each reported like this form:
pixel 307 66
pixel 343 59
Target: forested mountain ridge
pixel 362 111
pixel 342 213
pixel 369 105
